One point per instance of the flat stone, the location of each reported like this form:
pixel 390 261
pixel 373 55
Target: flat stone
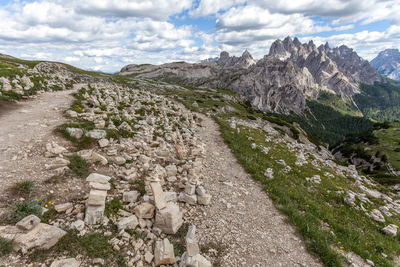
pixel 70 262
pixel 43 236
pixel 130 196
pixel 99 178
pixel 63 207
pixel 100 186
pixel 103 142
pixel 158 194
pixel 148 257
pixel 28 223
pixel 97 197
pixel 128 223
pixel 144 210
pixel 96 134
pixel 204 200
pixel 190 199
pixel 164 253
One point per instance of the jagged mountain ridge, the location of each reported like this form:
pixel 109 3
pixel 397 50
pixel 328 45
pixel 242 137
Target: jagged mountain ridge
pixel 387 63
pixel 281 81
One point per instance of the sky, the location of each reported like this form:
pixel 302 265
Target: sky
pixel 105 35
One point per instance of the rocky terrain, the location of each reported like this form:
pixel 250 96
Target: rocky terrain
pixel 127 171
pixel 387 63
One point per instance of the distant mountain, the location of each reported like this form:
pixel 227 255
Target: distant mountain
pixel 388 63
pixel 211 59
pixel 281 81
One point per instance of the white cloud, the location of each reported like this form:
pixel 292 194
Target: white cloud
pixel 209 7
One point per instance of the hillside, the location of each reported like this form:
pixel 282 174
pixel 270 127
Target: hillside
pixel 142 172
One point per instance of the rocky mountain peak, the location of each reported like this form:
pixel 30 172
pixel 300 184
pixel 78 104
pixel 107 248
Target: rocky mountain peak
pixel 244 61
pixel 388 63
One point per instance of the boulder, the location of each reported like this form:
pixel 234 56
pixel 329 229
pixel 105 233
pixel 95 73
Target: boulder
pixel 42 236
pixel 144 210
pixel 164 253
pixel 169 219
pixel 28 223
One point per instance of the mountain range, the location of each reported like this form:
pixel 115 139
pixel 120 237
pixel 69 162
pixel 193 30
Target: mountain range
pixel 388 63
pixel 281 81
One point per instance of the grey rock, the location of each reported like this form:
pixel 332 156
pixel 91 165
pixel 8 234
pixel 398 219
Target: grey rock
pixel 96 134
pixel 128 223
pixel 75 132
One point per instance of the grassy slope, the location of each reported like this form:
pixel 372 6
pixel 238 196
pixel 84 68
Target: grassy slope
pixel 328 226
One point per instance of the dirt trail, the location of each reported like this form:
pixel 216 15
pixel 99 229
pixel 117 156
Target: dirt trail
pixel 25 129
pixel 241 215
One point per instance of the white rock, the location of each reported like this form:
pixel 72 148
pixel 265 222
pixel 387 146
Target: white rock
pixel 96 134
pixel 169 219
pixel 75 132
pixel 269 173
pixel 377 215
pixel 128 223
pixel 28 223
pixel 190 199
pixel 164 253
pixel 391 230
pixel 79 225
pixel 63 207
pixel 158 194
pixel 42 236
pixel 103 142
pixel 70 262
pixel 144 210
pixel 131 196
pixel 96 177
pixel 192 247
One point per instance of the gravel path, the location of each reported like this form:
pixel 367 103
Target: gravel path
pixel 25 129
pixel 241 215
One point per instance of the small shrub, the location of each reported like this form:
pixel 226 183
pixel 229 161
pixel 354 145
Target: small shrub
pixel 112 207
pixel 22 209
pixel 25 187
pixel 79 166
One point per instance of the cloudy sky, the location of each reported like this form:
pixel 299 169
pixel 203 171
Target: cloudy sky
pixel 105 35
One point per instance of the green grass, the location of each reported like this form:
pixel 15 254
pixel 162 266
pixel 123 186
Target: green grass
pixel 308 210
pixel 25 188
pixel 82 143
pixel 92 245
pixel 139 185
pixel 112 207
pixel 79 166
pixel 317 211
pixel 20 210
pixel 6 247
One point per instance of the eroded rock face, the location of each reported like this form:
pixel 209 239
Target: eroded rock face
pixel 387 63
